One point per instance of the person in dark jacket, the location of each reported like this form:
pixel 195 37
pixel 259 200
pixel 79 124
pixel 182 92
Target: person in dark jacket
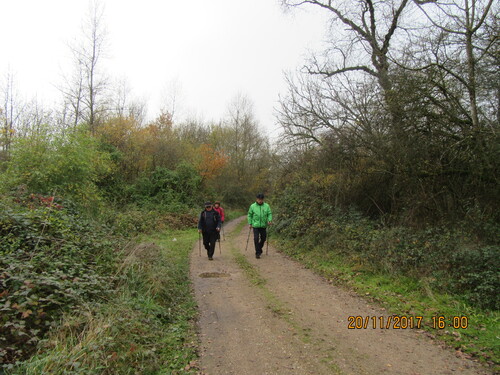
pixel 259 217
pixel 209 226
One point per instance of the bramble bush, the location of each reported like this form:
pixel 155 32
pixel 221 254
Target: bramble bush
pixel 453 258
pixel 52 260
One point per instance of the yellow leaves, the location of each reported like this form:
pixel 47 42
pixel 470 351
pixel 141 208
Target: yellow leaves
pixel 141 148
pixel 4 131
pixel 324 180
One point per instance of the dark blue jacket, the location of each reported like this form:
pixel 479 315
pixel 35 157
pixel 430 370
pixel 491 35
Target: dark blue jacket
pixel 209 221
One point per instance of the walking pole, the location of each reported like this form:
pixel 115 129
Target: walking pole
pixel 220 251
pixel 199 244
pixel 223 234
pixel 267 245
pixel 249 230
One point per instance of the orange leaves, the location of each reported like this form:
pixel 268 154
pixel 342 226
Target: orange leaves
pixel 210 162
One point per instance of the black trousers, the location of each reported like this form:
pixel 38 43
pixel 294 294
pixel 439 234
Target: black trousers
pixel 259 237
pixel 209 241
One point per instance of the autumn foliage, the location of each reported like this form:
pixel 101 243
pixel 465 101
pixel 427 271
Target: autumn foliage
pixel 210 163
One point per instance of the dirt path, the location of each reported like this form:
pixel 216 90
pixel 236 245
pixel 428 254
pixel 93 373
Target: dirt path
pixel 272 316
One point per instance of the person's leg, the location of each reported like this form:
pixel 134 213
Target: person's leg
pixel 206 240
pixel 213 241
pixel 256 241
pixel 263 237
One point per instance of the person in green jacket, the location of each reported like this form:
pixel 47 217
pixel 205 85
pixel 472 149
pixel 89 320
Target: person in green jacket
pixel 259 217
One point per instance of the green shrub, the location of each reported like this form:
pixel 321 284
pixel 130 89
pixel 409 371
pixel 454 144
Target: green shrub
pixel 453 258
pixel 53 260
pixel 476 276
pixel 58 164
pixel 169 190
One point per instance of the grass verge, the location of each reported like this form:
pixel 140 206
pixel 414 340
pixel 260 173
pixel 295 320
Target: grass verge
pixel 234 213
pixel 146 328
pixel 406 296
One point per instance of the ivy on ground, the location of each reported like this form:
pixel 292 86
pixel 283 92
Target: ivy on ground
pixel 51 261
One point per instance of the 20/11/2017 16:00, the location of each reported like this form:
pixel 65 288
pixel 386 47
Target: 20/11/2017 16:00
pixel 405 322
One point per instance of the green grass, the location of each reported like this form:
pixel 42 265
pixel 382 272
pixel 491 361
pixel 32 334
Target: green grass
pixel 146 328
pixel 231 214
pixel 409 296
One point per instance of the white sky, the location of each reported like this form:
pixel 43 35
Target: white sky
pixel 212 49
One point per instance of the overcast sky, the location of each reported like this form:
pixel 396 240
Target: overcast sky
pixel 211 50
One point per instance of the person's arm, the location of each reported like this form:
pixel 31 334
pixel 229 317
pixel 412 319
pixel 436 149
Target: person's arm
pixel 217 216
pixel 200 228
pixel 250 216
pixel 222 215
pixel 269 215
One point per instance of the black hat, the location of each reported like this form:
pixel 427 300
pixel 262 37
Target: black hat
pixel 208 204
pixel 260 196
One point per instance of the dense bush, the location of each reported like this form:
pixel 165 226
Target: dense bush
pixel 170 190
pixel 131 222
pixel 454 258
pixel 51 260
pixel 62 164
pixel 475 275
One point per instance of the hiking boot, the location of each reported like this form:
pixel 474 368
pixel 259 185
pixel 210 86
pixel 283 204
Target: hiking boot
pixel 210 258
pixel 257 256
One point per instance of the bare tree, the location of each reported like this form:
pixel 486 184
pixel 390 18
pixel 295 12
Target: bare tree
pixel 73 92
pixel 469 41
pixel 315 106
pixel 362 35
pixel 172 98
pixel 85 90
pixel 10 111
pixel 34 118
pixel 245 142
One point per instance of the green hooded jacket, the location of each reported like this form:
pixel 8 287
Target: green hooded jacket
pixel 259 215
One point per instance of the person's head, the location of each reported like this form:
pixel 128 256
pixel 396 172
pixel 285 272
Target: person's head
pixel 260 198
pixel 208 206
pixel 217 204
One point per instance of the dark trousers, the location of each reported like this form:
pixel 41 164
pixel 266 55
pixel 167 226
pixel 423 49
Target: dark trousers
pixel 259 237
pixel 209 241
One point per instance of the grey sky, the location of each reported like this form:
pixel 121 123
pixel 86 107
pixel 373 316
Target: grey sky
pixel 211 50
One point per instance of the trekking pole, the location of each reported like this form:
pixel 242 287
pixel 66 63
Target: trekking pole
pixel 223 234
pixel 220 251
pixel 249 230
pixel 199 243
pixel 267 245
